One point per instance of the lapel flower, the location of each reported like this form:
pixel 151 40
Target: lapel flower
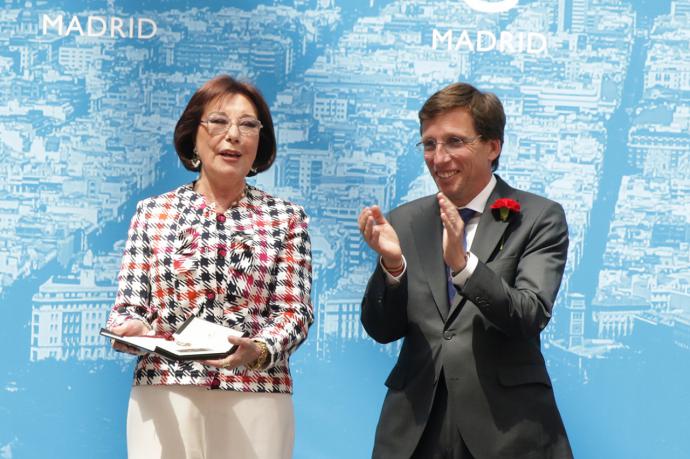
pixel 503 208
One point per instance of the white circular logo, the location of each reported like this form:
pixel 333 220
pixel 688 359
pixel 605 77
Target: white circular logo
pixel 491 7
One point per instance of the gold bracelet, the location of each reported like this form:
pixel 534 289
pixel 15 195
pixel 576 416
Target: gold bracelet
pixel 260 361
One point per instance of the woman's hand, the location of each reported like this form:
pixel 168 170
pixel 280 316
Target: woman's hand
pixel 247 352
pixel 130 328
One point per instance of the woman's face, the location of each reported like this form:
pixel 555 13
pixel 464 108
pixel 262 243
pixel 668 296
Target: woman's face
pixel 228 138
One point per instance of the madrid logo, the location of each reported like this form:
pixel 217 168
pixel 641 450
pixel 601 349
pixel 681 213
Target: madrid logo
pixel 481 41
pixel 491 7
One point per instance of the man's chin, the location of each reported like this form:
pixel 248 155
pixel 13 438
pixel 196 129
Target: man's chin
pixel 453 194
pixel 448 189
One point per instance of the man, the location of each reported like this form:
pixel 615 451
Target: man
pixel 468 299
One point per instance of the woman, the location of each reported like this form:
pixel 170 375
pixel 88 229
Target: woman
pixel 229 253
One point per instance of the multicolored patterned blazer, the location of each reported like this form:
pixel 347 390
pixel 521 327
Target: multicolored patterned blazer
pixel 248 268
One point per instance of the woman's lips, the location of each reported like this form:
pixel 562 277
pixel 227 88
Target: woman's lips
pixel 230 154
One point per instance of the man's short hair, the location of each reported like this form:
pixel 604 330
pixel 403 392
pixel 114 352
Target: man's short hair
pixel 484 107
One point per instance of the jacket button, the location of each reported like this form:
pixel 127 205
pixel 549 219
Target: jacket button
pixel 210 296
pixel 220 218
pixel 448 335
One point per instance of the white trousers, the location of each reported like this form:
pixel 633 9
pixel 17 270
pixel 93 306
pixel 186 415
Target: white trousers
pixel 190 422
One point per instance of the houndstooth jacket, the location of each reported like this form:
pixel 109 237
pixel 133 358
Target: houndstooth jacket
pixel 248 268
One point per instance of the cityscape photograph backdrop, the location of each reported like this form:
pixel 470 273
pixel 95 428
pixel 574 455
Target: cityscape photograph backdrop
pixel 596 95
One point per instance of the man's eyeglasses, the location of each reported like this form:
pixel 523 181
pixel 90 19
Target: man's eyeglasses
pixel 451 145
pixel 218 124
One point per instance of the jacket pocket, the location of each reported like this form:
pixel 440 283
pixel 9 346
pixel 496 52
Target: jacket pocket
pixel 397 378
pixel 525 374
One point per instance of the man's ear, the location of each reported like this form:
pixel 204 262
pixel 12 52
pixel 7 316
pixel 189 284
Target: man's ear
pixel 495 149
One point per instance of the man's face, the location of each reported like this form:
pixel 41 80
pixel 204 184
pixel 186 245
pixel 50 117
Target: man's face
pixel 461 167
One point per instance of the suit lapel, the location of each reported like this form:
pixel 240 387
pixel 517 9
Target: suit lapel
pixel 489 232
pixel 428 234
pixel 490 229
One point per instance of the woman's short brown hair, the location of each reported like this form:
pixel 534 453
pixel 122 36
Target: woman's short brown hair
pixel 224 85
pixel 486 110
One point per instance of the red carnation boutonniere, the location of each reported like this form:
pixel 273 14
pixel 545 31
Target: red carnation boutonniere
pixel 503 207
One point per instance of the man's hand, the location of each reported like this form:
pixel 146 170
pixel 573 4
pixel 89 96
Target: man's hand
pixel 247 352
pixel 380 236
pixel 454 253
pixel 130 328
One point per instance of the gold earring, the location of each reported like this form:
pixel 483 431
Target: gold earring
pixel 196 162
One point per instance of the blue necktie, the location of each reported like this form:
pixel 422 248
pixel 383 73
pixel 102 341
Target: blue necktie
pixel 466 215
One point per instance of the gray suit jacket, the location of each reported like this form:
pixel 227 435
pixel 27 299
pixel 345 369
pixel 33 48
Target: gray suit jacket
pixel 487 341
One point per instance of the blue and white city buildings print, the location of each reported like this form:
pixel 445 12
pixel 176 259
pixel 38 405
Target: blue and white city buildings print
pixel 596 93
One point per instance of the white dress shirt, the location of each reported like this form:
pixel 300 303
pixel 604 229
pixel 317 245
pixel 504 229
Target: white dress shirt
pixel 477 204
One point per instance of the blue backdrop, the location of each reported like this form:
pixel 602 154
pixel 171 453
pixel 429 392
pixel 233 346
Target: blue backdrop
pixel 596 93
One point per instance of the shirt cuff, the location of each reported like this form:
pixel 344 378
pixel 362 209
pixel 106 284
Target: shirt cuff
pixel 461 278
pixel 390 279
